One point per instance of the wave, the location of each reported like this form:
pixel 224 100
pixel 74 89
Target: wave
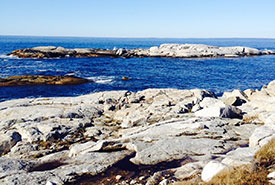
pixel 8 57
pixel 102 79
pixel 42 70
pixel 50 70
pixel 70 74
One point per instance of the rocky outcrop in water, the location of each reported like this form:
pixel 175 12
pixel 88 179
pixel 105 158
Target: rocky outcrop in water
pixel 41 80
pixel 120 137
pixel 164 50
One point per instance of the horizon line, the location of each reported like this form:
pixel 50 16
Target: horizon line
pixel 122 37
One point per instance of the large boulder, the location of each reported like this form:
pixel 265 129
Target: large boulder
pixel 235 98
pixel 216 108
pixel 212 169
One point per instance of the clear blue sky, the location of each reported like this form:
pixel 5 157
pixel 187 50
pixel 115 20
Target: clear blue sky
pixel 139 18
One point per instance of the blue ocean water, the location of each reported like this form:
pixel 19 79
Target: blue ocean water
pixel 218 75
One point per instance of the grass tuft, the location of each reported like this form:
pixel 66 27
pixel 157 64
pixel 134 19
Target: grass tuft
pixel 242 175
pixel 266 155
pixel 254 174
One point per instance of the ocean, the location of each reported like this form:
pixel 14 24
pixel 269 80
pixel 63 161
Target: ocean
pixel 217 74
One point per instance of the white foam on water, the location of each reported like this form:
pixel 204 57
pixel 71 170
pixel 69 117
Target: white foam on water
pixel 22 66
pixel 38 61
pixel 102 79
pixel 69 74
pixel 59 70
pixel 42 70
pixel 8 57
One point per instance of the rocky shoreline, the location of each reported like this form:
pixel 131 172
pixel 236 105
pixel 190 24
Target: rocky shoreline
pixel 164 50
pixel 120 137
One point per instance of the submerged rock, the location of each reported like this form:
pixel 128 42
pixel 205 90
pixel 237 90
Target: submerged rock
pixel 41 80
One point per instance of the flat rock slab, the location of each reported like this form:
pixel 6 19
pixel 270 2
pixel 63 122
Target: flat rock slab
pixel 41 80
pixel 90 163
pixel 174 148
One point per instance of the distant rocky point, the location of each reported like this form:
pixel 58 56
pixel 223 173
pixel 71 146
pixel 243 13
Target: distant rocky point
pixel 41 80
pixel 164 50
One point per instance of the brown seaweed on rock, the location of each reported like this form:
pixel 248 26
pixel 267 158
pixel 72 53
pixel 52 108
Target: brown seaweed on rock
pixel 41 80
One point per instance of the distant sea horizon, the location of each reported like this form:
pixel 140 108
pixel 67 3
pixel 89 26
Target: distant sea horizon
pixel 135 37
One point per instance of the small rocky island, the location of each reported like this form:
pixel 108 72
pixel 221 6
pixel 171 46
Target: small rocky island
pixel 41 80
pixel 164 50
pixel 154 136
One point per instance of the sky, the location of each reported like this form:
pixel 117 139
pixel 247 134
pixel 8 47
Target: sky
pixel 139 18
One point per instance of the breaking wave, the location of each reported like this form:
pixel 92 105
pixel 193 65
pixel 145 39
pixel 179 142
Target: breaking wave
pixel 102 79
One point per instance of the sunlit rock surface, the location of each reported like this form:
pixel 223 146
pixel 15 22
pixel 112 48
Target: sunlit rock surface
pixel 171 132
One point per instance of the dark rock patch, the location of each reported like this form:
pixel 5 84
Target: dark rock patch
pixel 41 80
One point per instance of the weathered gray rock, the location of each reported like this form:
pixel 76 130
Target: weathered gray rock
pixel 240 156
pixel 260 134
pixel 234 101
pixel 77 149
pixel 8 140
pixel 189 170
pixel 90 133
pixel 231 112
pixel 83 111
pixel 44 48
pixel 235 93
pixel 9 166
pixel 199 50
pixel 92 163
pixel 153 105
pixel 22 149
pixel 223 112
pixel 32 178
pixel 271 88
pixel 174 148
pixel 25 113
pixel 210 102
